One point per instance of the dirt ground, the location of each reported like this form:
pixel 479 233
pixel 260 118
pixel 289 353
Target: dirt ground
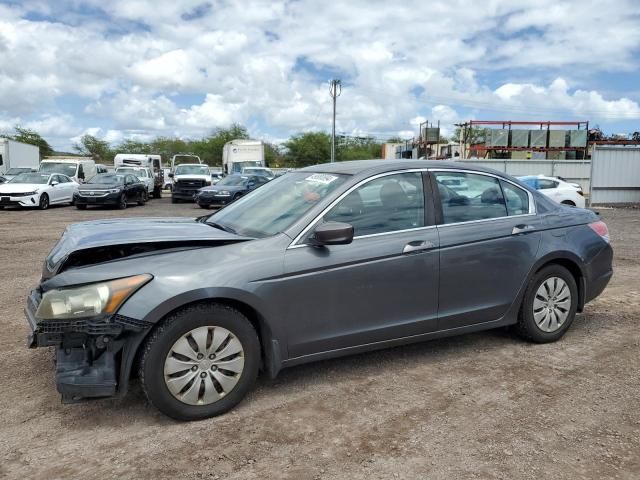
pixel 482 406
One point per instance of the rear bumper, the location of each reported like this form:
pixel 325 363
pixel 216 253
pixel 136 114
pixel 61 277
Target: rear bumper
pixel 598 273
pixel 89 352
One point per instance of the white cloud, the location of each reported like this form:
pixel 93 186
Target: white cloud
pixel 131 64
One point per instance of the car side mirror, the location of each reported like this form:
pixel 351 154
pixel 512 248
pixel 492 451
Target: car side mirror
pixel 171 175
pixel 54 183
pixel 332 233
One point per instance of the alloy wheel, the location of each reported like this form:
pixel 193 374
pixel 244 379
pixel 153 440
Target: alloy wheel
pixel 551 304
pixel 204 365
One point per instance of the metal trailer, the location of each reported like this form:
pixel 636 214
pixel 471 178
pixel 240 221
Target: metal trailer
pixel 18 155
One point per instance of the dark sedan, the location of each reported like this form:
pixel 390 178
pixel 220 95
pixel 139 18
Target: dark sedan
pixel 228 190
pixel 322 262
pixel 111 189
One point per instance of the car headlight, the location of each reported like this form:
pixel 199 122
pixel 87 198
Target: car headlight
pixel 224 193
pixel 114 190
pixel 89 300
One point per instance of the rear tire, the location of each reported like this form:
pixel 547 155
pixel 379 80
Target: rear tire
pixel 206 207
pixel 157 192
pixel 143 198
pixel 44 202
pixel 549 305
pixel 174 200
pixel 158 362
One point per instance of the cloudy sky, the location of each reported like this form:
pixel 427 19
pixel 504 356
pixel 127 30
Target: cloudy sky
pixel 140 68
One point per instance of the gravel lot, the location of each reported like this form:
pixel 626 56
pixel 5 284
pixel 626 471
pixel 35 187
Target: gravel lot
pixel 478 406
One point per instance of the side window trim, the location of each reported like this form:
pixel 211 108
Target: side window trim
pixel 438 202
pixel 297 241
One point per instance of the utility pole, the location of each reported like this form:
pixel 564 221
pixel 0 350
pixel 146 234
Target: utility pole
pixel 335 89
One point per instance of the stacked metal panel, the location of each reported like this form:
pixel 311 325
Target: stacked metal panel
pixel 499 138
pixel 432 134
pixel 578 138
pixel 557 138
pixel 519 138
pixel 538 138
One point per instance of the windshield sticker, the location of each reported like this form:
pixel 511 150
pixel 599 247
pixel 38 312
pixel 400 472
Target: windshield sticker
pixel 322 178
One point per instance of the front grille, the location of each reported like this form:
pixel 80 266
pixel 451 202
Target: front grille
pixel 117 324
pixel 190 184
pixel 91 193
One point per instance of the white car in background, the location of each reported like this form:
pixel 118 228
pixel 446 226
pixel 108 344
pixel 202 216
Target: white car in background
pixel 37 189
pixel 143 173
pixel 557 189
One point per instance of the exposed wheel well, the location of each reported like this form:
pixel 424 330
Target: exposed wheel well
pixel 252 315
pixel 575 271
pixel 568 202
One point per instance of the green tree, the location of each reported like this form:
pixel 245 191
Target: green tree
pixel 95 148
pixel 358 148
pixel 308 148
pixel 470 136
pixel 26 135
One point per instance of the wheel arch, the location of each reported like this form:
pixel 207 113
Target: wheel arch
pixel 573 264
pixel 271 348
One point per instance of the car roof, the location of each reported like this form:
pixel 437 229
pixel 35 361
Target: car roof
pixel 356 167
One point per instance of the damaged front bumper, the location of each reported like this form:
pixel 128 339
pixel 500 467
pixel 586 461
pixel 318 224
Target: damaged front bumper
pixel 89 352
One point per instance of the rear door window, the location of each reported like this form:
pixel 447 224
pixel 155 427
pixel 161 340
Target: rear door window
pixel 517 199
pixel 467 197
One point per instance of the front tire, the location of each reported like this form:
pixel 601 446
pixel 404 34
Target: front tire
pixel 122 203
pixel 44 202
pixel 549 305
pixel 143 198
pixel 200 362
pixel 80 206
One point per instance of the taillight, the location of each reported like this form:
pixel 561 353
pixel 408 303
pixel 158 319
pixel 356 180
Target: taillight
pixel 601 229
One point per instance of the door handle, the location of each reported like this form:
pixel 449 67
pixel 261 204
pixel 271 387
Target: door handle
pixel 418 246
pixel 518 229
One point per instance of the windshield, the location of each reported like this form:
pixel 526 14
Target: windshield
pixel 41 178
pixel 239 166
pixel 138 172
pixel 104 178
pixel 17 171
pixel 192 170
pixel 277 205
pixel 179 159
pixel 233 180
pixel 68 169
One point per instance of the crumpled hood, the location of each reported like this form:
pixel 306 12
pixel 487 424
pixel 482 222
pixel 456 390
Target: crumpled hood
pixel 134 232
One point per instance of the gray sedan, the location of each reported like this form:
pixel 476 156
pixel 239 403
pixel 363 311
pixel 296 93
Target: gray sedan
pixel 322 262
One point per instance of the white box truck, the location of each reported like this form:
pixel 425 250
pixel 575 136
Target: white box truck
pixel 240 154
pixel 150 161
pixel 17 157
